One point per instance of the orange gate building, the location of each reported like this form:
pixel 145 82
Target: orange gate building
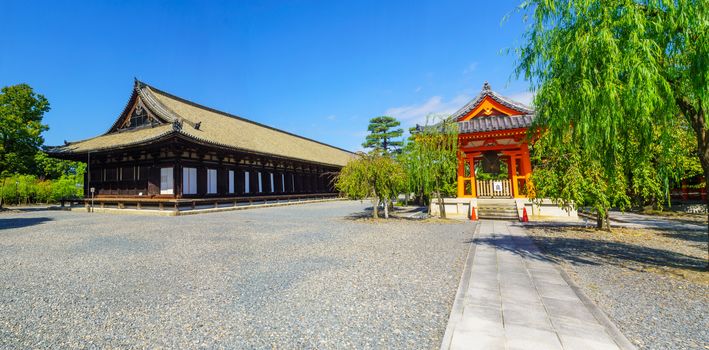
pixel 494 153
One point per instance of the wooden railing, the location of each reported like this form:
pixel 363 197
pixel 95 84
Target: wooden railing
pixel 493 188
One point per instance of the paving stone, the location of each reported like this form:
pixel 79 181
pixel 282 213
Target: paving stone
pixel 481 326
pixel 485 275
pixel 526 295
pixel 484 284
pixel 571 342
pixel 550 279
pixel 556 291
pixel 527 338
pixel 578 328
pixel 483 297
pixel 569 309
pixel 486 313
pixel 526 315
pixel 469 340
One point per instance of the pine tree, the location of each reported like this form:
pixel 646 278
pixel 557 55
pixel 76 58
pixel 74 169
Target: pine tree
pixel 382 135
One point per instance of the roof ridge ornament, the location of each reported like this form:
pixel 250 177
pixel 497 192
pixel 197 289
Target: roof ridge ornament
pixel 177 125
pixel 486 87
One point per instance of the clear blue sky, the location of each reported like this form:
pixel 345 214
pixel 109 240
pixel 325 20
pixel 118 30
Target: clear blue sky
pixel 320 69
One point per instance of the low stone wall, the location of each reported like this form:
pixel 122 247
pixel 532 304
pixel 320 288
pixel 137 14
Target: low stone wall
pixel 546 209
pixel 459 208
pixel 456 208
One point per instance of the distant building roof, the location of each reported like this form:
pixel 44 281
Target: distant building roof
pixel 177 116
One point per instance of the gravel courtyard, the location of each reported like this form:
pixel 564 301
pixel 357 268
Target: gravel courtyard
pixel 305 276
pixel 653 283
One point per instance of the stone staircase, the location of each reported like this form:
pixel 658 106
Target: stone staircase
pixel 497 209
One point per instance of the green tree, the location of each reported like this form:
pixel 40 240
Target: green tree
pixel 372 176
pixel 47 167
pixel 383 134
pixel 612 78
pixel 572 177
pixel 430 159
pixel 21 112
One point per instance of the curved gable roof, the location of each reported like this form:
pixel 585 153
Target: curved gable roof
pixel 512 107
pixel 206 125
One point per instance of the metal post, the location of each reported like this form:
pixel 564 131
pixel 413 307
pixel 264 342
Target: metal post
pixel 88 179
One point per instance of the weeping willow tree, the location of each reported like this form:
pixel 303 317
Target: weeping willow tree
pixel 374 176
pixel 430 160
pixel 574 177
pixel 611 80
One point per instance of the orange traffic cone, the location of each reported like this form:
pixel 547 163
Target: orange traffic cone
pixel 473 216
pixel 525 218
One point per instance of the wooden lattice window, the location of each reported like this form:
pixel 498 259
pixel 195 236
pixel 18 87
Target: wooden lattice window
pixel 137 118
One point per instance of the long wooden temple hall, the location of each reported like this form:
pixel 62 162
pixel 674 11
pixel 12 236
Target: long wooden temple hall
pixel 165 151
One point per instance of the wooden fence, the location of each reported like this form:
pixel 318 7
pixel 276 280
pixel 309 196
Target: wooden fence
pixel 493 188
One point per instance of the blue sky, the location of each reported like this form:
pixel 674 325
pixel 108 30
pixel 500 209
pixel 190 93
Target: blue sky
pixel 320 69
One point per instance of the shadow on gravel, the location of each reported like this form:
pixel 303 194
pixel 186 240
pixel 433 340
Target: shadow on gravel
pixel 395 215
pixel 691 236
pixel 10 223
pixel 594 252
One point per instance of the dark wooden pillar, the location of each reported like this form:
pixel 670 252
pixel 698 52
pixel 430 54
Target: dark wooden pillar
pixel 154 174
pixel 177 172
pixel 201 176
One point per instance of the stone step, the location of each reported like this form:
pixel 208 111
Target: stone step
pixel 505 218
pixel 498 211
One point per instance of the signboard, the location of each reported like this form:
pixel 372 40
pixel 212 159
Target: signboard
pixel 93 189
pixel 497 186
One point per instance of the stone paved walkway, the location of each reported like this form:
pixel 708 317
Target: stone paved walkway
pixel 510 298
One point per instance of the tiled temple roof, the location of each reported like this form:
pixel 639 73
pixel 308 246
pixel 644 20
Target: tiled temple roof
pixel 209 126
pixel 487 91
pixel 494 123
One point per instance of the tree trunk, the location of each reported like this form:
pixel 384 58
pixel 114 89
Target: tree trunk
pixel 441 205
pixel 2 193
pixel 375 209
pixel 386 209
pixel 602 221
pixel 698 123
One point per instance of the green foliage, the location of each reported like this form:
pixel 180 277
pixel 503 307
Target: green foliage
pixel 572 177
pixel 615 80
pixel 47 167
pixel 21 112
pixel 383 134
pixel 28 175
pixel 430 160
pixel 371 176
pixel 575 177
pixel 29 189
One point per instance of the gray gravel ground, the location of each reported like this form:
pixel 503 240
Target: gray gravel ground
pixel 303 276
pixel 653 284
